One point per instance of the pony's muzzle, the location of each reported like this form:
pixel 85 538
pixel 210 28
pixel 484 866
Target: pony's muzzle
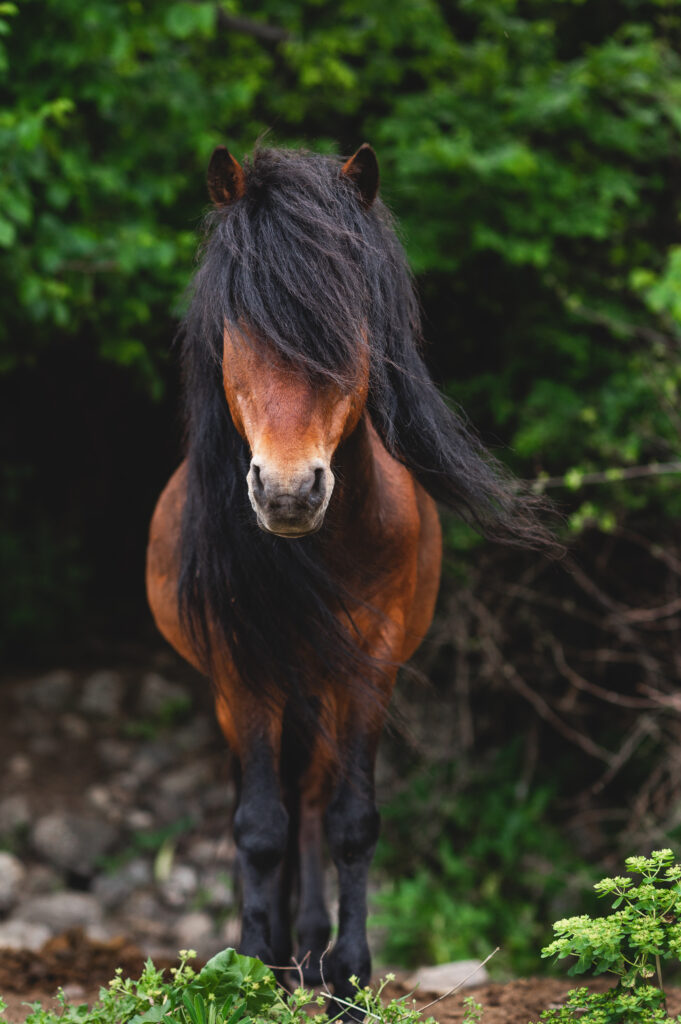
pixel 290 504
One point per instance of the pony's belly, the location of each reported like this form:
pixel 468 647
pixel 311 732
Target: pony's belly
pixel 163 561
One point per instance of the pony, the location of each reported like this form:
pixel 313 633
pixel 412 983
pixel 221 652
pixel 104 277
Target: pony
pixel 294 556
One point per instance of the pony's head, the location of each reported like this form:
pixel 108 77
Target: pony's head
pixel 291 418
pixel 292 425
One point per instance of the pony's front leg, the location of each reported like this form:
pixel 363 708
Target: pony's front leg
pixel 352 826
pixel 261 836
pixel 252 728
pixel 313 925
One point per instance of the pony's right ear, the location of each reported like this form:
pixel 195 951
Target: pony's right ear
pixel 226 179
pixel 362 169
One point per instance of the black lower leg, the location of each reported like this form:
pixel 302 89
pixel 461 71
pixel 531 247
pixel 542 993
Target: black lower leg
pixel 260 832
pixel 352 823
pixel 313 926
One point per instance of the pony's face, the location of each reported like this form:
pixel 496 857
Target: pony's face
pixel 292 426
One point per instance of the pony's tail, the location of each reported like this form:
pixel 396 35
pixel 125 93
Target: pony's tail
pixel 448 459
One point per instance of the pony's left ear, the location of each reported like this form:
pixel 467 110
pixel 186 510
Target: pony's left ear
pixel 226 179
pixel 362 169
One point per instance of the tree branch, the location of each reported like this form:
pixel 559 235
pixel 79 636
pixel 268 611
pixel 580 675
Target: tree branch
pixel 257 29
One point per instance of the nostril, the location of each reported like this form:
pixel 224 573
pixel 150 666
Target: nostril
pixel 317 483
pixel 256 480
pixel 315 493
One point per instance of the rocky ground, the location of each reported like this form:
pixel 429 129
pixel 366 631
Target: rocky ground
pixel 115 809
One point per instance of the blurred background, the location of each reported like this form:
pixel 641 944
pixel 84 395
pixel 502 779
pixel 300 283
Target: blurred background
pixel 530 150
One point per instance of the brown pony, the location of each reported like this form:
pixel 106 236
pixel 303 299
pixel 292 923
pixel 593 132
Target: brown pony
pixel 295 554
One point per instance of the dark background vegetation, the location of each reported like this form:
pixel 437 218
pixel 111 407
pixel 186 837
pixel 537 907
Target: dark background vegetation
pixel 531 152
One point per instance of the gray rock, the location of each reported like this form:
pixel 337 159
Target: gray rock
pixel 111 890
pixel 101 798
pixel 218 797
pixel 72 842
pixel 142 915
pixel 198 733
pixel 187 780
pixel 103 694
pixel 157 695
pixel 61 910
pixel 52 692
pixel 203 852
pixel 195 931
pixel 15 814
pixel 20 767
pixel 43 746
pixel 115 753
pixel 74 727
pixel 138 819
pixel 180 885
pixel 230 933
pixel 153 758
pixel 23 935
pixel 218 890
pixel 12 874
pixel 41 878
pixel 443 977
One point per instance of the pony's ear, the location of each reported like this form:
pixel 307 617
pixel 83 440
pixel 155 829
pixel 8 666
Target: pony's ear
pixel 362 169
pixel 226 179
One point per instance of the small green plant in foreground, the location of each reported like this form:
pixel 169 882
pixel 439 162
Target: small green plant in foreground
pixel 643 930
pixel 231 989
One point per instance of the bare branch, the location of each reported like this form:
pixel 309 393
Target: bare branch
pixel 608 476
pixel 257 29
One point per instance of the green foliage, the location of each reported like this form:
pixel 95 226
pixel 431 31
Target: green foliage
pixel 628 941
pixel 230 989
pixel 527 149
pixel 645 1005
pixel 642 930
pixel 475 864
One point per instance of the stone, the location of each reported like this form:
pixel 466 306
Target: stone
pixel 20 766
pixel 59 911
pixel 180 885
pixel 195 931
pixel 218 797
pixel 115 753
pixel 218 890
pixel 23 935
pixel 74 727
pixel 198 733
pixel 15 814
pixel 139 820
pixel 142 914
pixel 51 692
pixel 43 746
pixel 153 758
pixel 100 797
pixel 111 890
pixel 72 842
pixel 157 695
pixel 102 694
pixel 12 874
pixel 440 979
pixel 203 851
pixel 41 878
pixel 231 933
pixel 186 780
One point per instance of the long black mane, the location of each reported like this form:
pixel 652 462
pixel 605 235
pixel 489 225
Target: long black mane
pixel 307 268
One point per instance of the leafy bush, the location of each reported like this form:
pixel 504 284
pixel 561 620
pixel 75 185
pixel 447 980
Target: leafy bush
pixel 631 942
pixel 230 989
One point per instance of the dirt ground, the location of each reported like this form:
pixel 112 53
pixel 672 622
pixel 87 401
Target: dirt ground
pixel 81 966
